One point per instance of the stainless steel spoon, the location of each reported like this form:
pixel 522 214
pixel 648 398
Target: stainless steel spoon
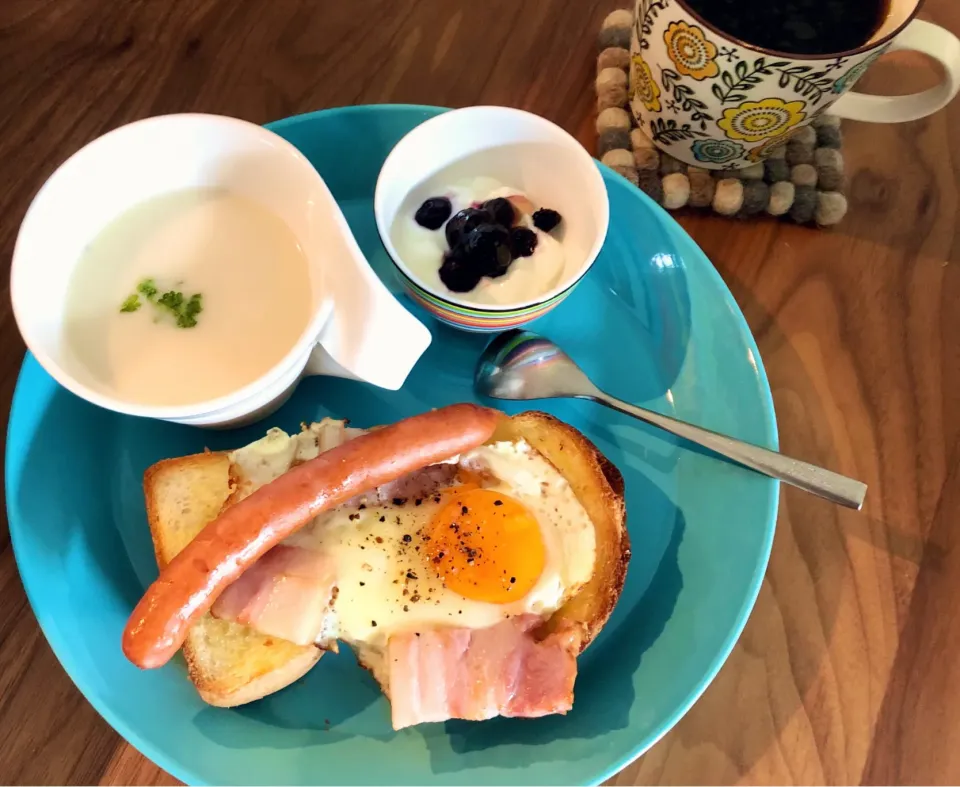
pixel 522 365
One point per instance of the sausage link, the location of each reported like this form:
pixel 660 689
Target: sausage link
pixel 189 585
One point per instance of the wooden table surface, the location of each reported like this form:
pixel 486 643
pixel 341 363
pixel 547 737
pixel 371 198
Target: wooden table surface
pixel 848 669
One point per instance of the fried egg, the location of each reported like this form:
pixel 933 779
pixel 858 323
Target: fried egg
pixel 491 534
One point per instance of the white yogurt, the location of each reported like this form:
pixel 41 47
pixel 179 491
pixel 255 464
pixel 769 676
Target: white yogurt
pixel 528 277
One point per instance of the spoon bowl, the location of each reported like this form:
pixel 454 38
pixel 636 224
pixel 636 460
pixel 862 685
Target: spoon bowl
pixel 521 365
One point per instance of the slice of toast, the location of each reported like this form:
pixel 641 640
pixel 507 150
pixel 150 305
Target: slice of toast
pixel 230 664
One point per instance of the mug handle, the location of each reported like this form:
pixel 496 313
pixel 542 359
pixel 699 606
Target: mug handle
pixel 928 39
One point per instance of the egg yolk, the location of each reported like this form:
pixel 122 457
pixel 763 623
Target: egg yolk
pixel 486 546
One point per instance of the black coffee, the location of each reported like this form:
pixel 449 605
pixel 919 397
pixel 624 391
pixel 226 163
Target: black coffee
pixel 799 27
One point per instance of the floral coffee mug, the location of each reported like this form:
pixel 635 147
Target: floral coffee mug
pixel 716 102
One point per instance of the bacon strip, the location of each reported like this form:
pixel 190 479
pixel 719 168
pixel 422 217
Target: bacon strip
pixel 458 673
pixel 286 594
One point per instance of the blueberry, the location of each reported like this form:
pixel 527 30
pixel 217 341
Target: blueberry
pixel 522 241
pixel 457 274
pixel 546 219
pixel 487 249
pixel 464 221
pixel 432 213
pixel 502 211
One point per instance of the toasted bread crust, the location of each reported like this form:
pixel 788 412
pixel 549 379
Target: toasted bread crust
pixel 271 671
pixel 599 487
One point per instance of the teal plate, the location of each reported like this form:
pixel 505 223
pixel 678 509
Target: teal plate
pixel 652 323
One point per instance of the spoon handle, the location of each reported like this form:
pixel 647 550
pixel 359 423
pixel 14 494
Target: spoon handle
pixel 832 486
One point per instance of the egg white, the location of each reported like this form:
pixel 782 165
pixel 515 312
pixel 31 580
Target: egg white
pixel 386 581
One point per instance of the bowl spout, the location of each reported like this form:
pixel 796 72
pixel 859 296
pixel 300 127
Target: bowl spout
pixel 369 336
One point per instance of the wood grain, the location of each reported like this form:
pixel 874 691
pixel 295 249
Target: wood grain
pixel 847 670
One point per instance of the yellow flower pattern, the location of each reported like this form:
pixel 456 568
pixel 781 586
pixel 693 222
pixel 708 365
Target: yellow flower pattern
pixel 769 146
pixel 644 86
pixel 692 54
pixel 754 121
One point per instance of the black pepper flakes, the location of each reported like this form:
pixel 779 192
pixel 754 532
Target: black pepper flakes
pixel 399 501
pixel 498 502
pixel 362 584
pixel 411 575
pixel 383 519
pixel 464 510
pixel 354 517
pixel 417 502
pixel 373 623
pixel 512 580
pixel 414 598
pixel 407 538
pixel 361 507
pixel 406 608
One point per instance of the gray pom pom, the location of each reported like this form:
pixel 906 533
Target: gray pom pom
pixel 669 165
pixel 614 36
pixel 804 204
pixel 829 164
pixel 776 170
pixel 799 152
pixel 702 187
pixel 756 195
pixel 613 139
pixel 650 183
pixel 829 137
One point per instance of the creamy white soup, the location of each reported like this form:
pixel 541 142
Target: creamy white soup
pixel 186 297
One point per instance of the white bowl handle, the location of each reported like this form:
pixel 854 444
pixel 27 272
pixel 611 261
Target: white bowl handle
pixel 369 336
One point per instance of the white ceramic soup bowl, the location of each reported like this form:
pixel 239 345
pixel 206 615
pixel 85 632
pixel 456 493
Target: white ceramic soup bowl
pixel 358 329
pixel 534 156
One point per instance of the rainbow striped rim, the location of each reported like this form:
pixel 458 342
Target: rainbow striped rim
pixel 479 318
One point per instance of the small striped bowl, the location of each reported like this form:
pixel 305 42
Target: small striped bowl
pixel 558 165
pixel 478 319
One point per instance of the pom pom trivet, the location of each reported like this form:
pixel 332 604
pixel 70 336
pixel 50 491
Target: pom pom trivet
pixel 802 179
